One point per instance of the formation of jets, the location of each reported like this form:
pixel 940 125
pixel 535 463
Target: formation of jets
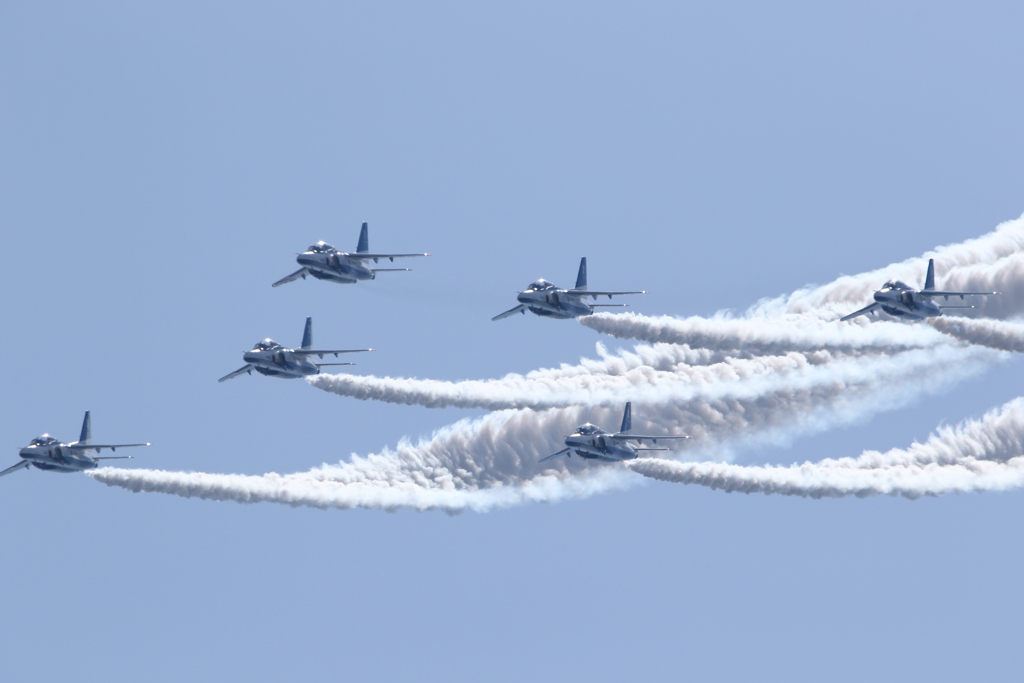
pixel 324 262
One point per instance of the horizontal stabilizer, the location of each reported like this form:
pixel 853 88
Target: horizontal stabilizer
pixel 325 352
pixel 623 436
pixel 609 305
pixel 564 451
pixel 14 468
pixel 509 312
pixel 592 293
pixel 652 449
pixel 116 457
pixel 390 270
pixel 866 309
pixel 960 294
pixel 377 257
pixel 324 365
pixel 301 272
pixel 99 447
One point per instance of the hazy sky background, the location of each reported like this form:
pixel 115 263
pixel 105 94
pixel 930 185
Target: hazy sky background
pixel 161 165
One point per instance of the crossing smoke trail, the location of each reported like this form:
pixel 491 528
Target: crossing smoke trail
pixel 636 379
pixel 995 334
pixel 806 319
pixel 978 455
pixel 493 461
pixel 762 335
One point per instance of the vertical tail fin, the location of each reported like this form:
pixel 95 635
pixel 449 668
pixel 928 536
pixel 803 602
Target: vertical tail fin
pixel 86 435
pixel 929 279
pixel 627 418
pixel 581 277
pixel 307 334
pixel 364 239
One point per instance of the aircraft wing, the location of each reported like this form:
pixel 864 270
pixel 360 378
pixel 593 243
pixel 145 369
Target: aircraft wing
pixel 509 312
pixel 866 309
pixel 323 352
pixel 377 257
pixel 934 293
pixel 560 453
pixel 101 446
pixel 595 294
pixel 246 368
pixel 14 468
pixel 301 272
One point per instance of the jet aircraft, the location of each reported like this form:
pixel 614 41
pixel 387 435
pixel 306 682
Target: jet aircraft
pixel 271 359
pixel 593 443
pixel 900 300
pixel 324 262
pixel 546 300
pixel 46 453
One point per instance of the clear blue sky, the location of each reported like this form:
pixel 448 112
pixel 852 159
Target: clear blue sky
pixel 161 165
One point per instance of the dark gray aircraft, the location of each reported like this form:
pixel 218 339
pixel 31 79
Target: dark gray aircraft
pixel 546 300
pixel 900 300
pixel 593 443
pixel 46 453
pixel 271 359
pixel 324 262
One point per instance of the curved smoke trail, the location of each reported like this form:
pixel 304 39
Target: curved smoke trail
pixel 977 455
pixel 995 334
pixel 493 461
pixel 763 335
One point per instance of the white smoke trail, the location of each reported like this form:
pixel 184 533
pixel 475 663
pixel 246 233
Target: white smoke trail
pixel 638 381
pixel 763 335
pixel 977 455
pixel 992 262
pixel 995 334
pixel 493 461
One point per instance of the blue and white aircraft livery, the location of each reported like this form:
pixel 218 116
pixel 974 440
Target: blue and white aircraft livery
pixel 271 359
pixel 593 443
pixel 324 262
pixel 900 300
pixel 46 453
pixel 544 299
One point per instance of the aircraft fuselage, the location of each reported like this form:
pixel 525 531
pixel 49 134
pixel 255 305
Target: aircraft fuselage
pixel 335 266
pixel 280 362
pixel 57 457
pixel 905 303
pixel 598 447
pixel 554 303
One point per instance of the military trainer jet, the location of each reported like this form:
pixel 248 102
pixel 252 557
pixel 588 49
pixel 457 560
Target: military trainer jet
pixel 593 443
pixel 324 262
pixel 271 359
pixel 46 453
pixel 898 299
pixel 544 299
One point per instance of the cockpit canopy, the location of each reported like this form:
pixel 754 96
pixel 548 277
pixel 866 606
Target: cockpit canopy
pixel 320 248
pixel 587 429
pixel 42 440
pixel 266 344
pixel 539 285
pixel 895 284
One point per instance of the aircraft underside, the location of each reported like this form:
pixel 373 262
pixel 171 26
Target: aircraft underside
pixel 331 276
pixel 277 373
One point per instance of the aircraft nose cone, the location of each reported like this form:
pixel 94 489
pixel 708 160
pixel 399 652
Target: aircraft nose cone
pixel 523 299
